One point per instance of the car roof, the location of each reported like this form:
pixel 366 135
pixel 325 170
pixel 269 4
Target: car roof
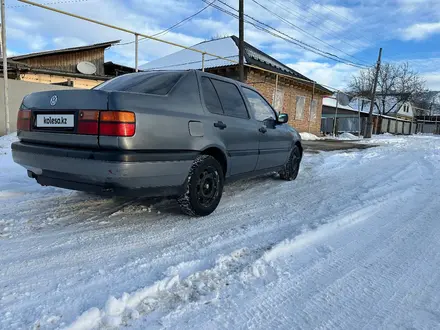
pixel 201 73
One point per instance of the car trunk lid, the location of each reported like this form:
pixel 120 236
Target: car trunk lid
pixel 59 117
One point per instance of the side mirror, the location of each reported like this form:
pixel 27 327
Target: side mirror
pixel 283 118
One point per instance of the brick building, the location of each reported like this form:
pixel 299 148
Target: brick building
pixel 286 89
pixel 62 66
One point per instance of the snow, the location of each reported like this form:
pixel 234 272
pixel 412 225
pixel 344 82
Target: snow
pixel 309 136
pixel 348 137
pixel 331 102
pixel 344 137
pixel 350 244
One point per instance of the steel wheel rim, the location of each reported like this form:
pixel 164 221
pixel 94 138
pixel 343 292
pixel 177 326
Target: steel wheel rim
pixel 207 186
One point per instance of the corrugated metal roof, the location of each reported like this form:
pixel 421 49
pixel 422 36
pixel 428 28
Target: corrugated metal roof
pixel 186 59
pixel 65 50
pixel 225 47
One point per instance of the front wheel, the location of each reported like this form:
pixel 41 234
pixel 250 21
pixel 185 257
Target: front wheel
pixel 291 169
pixel 203 187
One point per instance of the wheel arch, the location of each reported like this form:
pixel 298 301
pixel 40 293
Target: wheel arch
pixel 299 145
pixel 219 154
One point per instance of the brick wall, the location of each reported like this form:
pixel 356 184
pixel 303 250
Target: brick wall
pixel 265 84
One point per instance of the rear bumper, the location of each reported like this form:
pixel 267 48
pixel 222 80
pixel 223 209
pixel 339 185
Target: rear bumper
pixel 108 172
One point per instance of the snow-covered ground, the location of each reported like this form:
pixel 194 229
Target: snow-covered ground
pixel 354 243
pixel 343 136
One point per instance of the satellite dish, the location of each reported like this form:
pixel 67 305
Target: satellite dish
pixel 343 98
pixel 86 67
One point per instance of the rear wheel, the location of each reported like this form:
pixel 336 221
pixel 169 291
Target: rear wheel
pixel 291 169
pixel 203 187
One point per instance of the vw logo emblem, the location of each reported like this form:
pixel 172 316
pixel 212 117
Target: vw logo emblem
pixel 53 100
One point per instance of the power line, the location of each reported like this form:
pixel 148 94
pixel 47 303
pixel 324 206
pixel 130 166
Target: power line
pixel 303 31
pixel 292 40
pixel 180 23
pixel 357 37
pixel 50 3
pixel 279 34
pixel 329 9
pixel 335 27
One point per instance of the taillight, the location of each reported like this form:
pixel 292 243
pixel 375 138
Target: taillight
pixel 24 120
pixel 88 122
pixel 106 123
pixel 117 123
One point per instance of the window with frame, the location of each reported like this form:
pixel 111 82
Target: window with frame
pixel 300 103
pixel 231 99
pixel 313 110
pixel 259 106
pixel 278 99
pixel 210 96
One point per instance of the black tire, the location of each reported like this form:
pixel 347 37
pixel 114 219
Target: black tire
pixel 203 187
pixel 291 169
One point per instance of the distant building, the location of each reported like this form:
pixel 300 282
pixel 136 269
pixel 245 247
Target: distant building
pixel 293 96
pixel 82 67
pixel 404 110
pixel 348 119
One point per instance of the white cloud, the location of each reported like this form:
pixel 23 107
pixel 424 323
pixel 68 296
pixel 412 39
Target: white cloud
pixel 37 43
pixel 337 76
pixel 337 12
pixel 420 31
pixel 67 42
pixel 432 80
pixel 281 56
pixel 11 52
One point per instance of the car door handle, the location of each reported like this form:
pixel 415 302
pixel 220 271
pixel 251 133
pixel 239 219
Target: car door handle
pixel 262 129
pixel 220 125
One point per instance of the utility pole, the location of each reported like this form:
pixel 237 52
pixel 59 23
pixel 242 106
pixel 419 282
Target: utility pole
pixel 136 52
pixel 241 39
pixel 5 66
pixel 369 130
pixel 335 120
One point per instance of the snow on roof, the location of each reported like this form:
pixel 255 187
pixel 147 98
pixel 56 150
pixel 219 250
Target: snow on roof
pixel 186 59
pixel 331 102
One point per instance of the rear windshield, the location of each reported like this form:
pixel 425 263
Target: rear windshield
pixel 159 83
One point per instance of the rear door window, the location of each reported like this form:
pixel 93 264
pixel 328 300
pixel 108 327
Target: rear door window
pixel 210 96
pixel 159 83
pixel 230 98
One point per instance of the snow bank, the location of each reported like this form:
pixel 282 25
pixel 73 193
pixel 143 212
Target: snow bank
pixel 6 140
pixel 186 282
pixel 309 136
pixel 347 136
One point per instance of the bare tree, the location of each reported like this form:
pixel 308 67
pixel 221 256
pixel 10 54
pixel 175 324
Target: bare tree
pixel 397 83
pixel 429 101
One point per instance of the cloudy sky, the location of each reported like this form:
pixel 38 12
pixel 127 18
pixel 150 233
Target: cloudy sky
pixel 408 30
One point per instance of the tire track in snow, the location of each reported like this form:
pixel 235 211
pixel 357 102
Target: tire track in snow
pixel 136 251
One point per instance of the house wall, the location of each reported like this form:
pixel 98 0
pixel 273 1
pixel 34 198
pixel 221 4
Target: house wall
pixel 68 61
pixel 403 114
pixel 16 92
pixel 286 99
pixel 54 79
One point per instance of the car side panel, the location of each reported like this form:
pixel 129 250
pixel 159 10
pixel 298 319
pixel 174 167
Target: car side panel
pixel 275 145
pixel 275 140
pixel 239 137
